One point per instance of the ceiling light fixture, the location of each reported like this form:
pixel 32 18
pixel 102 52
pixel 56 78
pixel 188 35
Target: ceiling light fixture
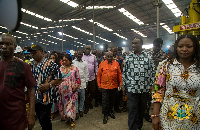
pixel 147 46
pixel 92 42
pixel 101 25
pixel 3 27
pixel 70 3
pixel 22 32
pixel 166 28
pixel 138 32
pixel 36 15
pixel 82 30
pixel 28 25
pixel 68 20
pixel 171 5
pixel 89 33
pixel 121 36
pixel 129 15
pixel 100 7
pixel 103 39
pixel 60 33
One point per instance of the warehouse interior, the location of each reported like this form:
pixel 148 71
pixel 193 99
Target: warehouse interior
pixel 97 22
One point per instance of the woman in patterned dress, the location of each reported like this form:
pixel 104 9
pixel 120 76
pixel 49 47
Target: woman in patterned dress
pixel 68 90
pixel 177 88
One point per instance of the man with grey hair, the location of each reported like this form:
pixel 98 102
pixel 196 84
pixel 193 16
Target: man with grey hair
pixel 14 76
pixel 108 77
pixel 92 69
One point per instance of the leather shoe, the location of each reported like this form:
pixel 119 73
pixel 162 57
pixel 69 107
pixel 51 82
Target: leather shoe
pixel 96 104
pixel 81 113
pixel 105 119
pixel 118 110
pixel 77 116
pixel 90 106
pixel 112 115
pixel 148 118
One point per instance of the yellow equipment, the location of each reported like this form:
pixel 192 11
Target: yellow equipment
pixel 190 24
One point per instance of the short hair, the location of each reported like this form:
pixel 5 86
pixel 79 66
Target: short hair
pixel 87 46
pixel 11 37
pixel 80 51
pixel 158 41
pixel 114 47
pixel 109 52
pixel 141 41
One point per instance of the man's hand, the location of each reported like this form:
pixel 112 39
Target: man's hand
pixel 120 87
pixel 156 123
pixel 31 122
pixel 99 88
pixel 44 87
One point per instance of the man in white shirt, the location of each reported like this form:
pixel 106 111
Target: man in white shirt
pixel 83 71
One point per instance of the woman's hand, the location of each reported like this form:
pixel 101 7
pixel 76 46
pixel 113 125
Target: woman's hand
pixel 156 123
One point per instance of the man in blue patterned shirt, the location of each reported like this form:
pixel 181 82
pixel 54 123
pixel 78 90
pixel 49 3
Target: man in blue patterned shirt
pixel 47 76
pixel 138 77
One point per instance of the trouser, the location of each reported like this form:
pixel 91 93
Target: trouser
pixel 43 113
pixel 89 93
pixel 137 104
pixel 98 95
pixel 82 99
pixel 118 99
pixel 149 98
pixel 108 98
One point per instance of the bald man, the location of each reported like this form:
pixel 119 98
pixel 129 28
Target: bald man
pixel 109 74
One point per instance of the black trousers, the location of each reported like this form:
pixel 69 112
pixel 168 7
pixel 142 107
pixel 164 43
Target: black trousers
pixel 137 103
pixel 98 95
pixel 89 93
pixel 43 113
pixel 148 104
pixel 118 99
pixel 108 99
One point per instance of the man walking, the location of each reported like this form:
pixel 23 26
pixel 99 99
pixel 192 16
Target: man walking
pixel 138 76
pixel 92 69
pixel 14 76
pixel 83 71
pixel 47 76
pixel 158 55
pixel 108 77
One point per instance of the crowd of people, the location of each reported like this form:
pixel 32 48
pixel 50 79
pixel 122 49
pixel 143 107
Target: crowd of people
pixel 34 84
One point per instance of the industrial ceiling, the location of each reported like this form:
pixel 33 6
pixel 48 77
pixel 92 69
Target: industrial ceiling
pixel 73 22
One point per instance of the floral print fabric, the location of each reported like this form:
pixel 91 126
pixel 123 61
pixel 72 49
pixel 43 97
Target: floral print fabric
pixel 178 90
pixel 71 78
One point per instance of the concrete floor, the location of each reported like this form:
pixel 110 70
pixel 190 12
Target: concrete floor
pixel 94 121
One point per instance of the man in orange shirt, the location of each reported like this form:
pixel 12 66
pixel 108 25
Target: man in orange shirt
pixel 108 76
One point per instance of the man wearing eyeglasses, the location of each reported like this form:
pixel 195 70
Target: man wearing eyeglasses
pixel 108 76
pixel 14 76
pixel 138 77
